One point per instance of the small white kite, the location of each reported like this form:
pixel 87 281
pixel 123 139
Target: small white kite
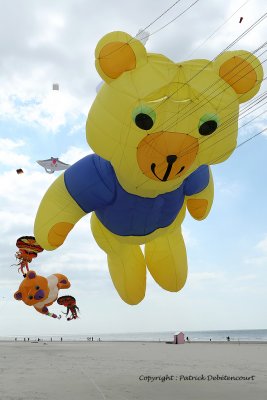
pixel 53 164
pixel 143 36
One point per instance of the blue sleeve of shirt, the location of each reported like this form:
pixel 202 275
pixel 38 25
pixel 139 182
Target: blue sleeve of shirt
pixel 197 181
pixel 90 182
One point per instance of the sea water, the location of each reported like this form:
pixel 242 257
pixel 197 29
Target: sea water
pixel 257 335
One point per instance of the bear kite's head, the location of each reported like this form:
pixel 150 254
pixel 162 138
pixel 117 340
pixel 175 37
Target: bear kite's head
pixel 33 289
pixel 157 121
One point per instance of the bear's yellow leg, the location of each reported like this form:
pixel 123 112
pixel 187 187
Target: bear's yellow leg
pixel 166 260
pixel 126 263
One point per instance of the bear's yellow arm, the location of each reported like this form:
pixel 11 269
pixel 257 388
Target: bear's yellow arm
pixel 199 204
pixel 56 216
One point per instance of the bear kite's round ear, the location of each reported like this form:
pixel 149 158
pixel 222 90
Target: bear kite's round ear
pixel 118 52
pixel 31 274
pixel 242 71
pixel 18 295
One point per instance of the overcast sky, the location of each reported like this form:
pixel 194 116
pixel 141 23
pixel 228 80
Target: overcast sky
pixel 53 41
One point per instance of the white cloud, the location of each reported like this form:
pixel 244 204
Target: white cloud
pixel 11 220
pixel 74 154
pixel 52 112
pixel 259 260
pixel 228 188
pixel 49 31
pixel 16 188
pixel 9 144
pixel 48 50
pixel 189 238
pixel 9 156
pixel 247 277
pixel 41 106
pixel 262 245
pixel 205 276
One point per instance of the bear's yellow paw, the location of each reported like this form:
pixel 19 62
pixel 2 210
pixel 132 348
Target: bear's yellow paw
pixel 58 233
pixel 197 207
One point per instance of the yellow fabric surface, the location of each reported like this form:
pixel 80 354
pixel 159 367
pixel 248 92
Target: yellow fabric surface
pixel 175 100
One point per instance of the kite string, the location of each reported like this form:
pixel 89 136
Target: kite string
pixel 161 15
pixel 137 187
pixel 251 27
pixel 142 31
pixel 199 106
pixel 235 41
pixel 174 19
pixel 220 156
pixel 215 160
pixel 209 87
pixel 196 107
pixel 200 71
pixel 224 23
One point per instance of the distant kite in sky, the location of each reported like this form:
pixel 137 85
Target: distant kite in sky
pixel 28 250
pixel 241 19
pixel 19 171
pixel 142 36
pixel 53 164
pixel 70 303
pixel 40 292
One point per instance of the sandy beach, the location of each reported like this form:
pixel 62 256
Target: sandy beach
pixel 129 370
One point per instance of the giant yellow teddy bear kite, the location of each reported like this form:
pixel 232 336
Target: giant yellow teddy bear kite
pixel 155 126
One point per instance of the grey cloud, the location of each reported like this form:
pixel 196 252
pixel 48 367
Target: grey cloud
pixel 76 26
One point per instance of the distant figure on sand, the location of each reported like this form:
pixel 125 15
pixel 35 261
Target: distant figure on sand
pixel 187 338
pixel 228 338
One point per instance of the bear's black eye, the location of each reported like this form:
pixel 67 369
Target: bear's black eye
pixel 144 117
pixel 37 287
pixel 144 121
pixel 207 128
pixel 30 297
pixel 208 124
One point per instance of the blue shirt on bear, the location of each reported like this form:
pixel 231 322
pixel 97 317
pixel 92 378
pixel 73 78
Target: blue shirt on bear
pixel 92 183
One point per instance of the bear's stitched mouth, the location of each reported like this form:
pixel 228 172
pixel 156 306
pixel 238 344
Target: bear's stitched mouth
pixel 170 160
